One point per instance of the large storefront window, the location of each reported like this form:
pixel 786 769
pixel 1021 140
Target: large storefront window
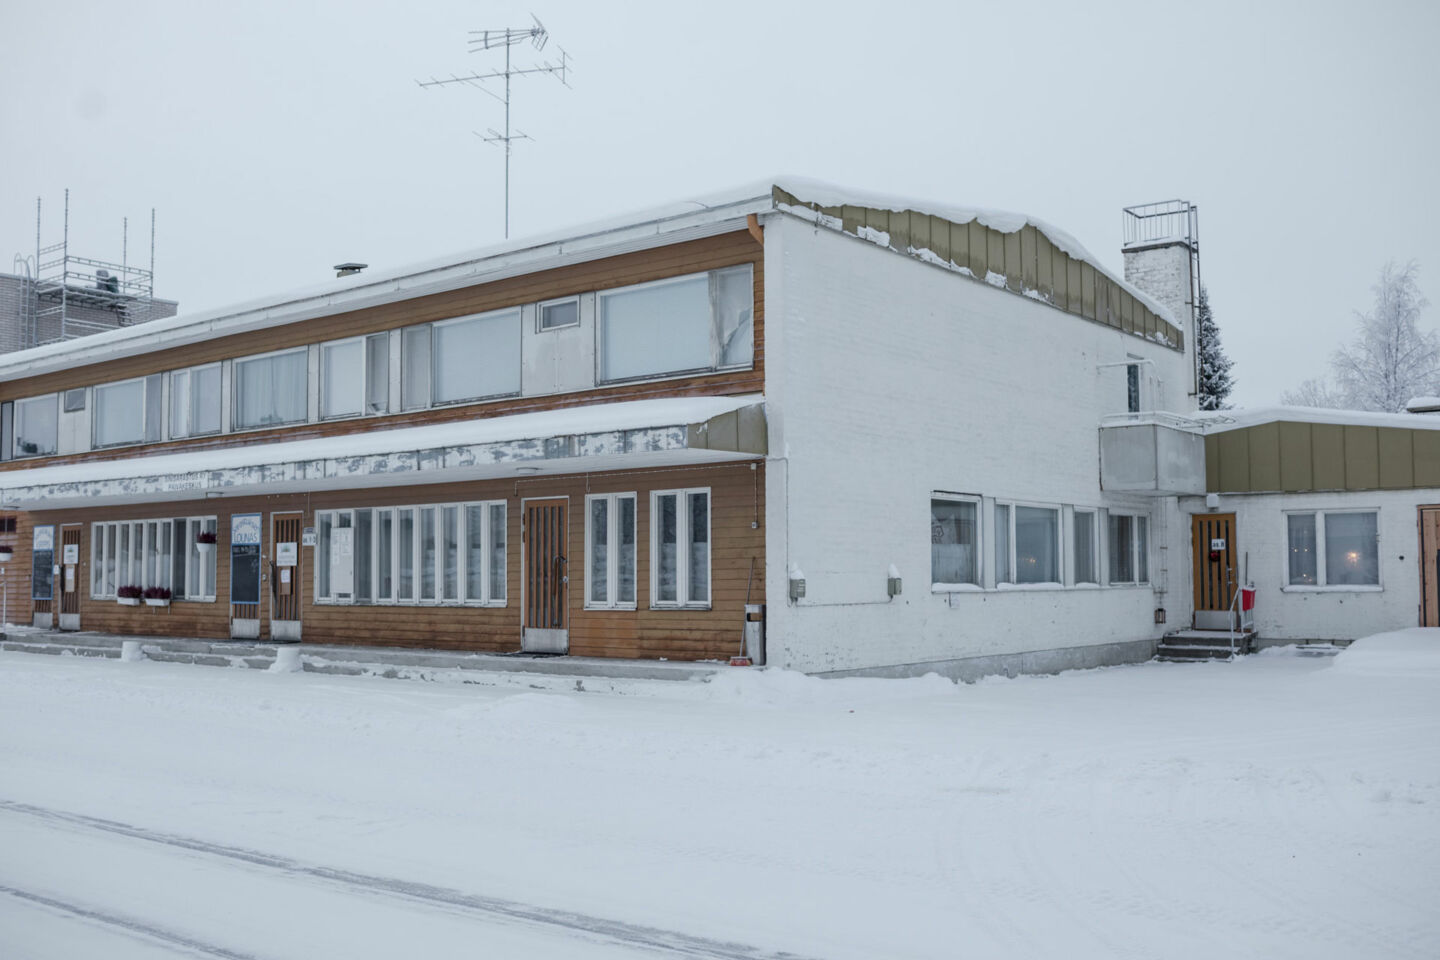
pixel 433 554
pixel 169 553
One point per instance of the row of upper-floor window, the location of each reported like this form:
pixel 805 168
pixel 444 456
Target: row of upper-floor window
pixel 690 324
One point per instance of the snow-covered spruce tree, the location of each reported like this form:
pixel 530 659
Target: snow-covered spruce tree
pixel 1215 380
pixel 1391 358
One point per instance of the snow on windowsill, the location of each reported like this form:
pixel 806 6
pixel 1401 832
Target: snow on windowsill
pixel 1333 588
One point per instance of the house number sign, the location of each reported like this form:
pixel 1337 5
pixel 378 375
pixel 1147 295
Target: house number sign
pixel 1217 545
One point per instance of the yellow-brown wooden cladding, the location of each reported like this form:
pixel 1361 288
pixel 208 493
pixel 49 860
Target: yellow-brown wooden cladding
pixel 707 254
pixel 737 500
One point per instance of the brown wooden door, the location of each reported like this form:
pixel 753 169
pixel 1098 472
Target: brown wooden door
pixel 1216 572
pixel 71 577
pixel 546 581
pixel 285 575
pixel 1430 566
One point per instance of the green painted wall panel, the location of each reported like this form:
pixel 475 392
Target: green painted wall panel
pixel 1028 267
pixel 1087 289
pixel 1328 443
pixel 1014 263
pixel 852 218
pixel 994 251
pixel 1297 467
pixel 960 244
pixel 940 238
pixel 1075 277
pixel 1212 463
pixel 1234 461
pixel 919 231
pixel 979 249
pixel 1263 449
pixel 1426 446
pixel 1044 267
pixel 1397 462
pixel 1362 458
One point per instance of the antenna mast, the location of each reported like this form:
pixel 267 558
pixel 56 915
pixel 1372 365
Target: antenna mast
pixel 488 40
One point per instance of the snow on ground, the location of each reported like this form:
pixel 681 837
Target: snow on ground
pixel 1281 806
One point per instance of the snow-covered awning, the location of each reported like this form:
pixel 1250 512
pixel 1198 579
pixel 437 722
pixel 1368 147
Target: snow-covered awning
pixel 613 436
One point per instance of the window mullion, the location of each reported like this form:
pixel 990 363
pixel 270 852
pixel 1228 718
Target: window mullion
pixel 1322 574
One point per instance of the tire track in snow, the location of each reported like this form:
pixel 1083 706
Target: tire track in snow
pixel 653 938
pixel 129 925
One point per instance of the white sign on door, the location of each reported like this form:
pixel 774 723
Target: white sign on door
pixel 342 561
pixel 287 554
pixel 72 553
pixel 1217 544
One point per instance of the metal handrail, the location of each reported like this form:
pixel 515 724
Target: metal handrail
pixel 1237 614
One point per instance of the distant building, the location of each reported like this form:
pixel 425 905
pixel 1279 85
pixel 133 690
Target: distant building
pixel 29 318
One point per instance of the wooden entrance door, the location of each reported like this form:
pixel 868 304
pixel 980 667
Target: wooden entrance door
pixel 546 593
pixel 285 575
pixel 1217 576
pixel 1430 566
pixel 70 577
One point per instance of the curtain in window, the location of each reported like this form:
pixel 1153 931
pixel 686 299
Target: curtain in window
pixel 271 390
pixel 450 553
pixel 625 574
pixel 415 372
pixel 342 378
pixel 1351 550
pixel 668 573
pixel 1037 557
pixel 1002 543
pixel 377 373
pixel 734 293
pixel 405 548
pixel 599 520
pixel 427 553
pixel 384 547
pixel 1084 547
pixel 37 424
pixel 477 357
pixel 1122 565
pixel 699 530
pixel 658 329
pixel 952 542
pixel 497 551
pixel 119 413
pixel 205 400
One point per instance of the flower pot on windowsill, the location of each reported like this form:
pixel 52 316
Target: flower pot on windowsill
pixel 7 554
pixel 128 601
pixel 156 603
pixel 204 547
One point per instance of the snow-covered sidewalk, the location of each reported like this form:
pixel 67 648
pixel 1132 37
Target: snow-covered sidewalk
pixel 1280 806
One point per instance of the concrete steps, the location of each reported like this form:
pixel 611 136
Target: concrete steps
pixel 1185 646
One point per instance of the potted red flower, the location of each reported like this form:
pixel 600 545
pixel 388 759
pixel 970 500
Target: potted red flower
pixel 157 596
pixel 205 541
pixel 129 595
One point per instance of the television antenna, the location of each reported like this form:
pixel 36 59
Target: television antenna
pixel 482 40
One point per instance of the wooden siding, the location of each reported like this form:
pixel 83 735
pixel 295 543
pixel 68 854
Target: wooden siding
pixel 691 257
pixel 737 502
pixel 1026 258
pixel 1299 457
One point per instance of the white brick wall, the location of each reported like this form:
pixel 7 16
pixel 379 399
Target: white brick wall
pixel 888 378
pixel 1164 274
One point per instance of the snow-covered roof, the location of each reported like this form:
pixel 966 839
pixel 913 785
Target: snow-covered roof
pixel 685 219
pixel 587 420
pixel 1219 421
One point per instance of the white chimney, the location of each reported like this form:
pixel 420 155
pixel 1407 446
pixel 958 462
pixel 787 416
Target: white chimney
pixel 1162 259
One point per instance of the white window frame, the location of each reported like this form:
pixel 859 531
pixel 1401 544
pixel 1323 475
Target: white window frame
pixel 682 599
pixel 713 367
pixel 190 373
pixel 612 550
pixel 1095 552
pixel 540 313
pixel 462 560
pixel 15 452
pixel 1061 541
pixel 1322 583
pixel 235 380
pixel 364 366
pixel 468 318
pixel 1133 547
pixel 938 586
pixel 152 554
pixel 145 425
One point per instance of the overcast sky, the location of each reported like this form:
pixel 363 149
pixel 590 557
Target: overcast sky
pixel 277 139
